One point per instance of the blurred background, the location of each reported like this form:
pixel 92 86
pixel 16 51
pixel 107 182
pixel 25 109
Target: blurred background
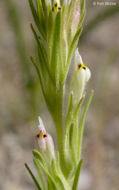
pixel 21 99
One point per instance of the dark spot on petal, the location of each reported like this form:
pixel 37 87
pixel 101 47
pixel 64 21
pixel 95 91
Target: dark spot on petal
pixel 84 68
pixel 44 136
pixel 79 66
pixel 55 4
pixel 59 8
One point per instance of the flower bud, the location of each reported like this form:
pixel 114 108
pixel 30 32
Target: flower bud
pixel 80 76
pixel 45 141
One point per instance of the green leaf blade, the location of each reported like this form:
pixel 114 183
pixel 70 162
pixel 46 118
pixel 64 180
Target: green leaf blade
pixel 33 177
pixel 36 18
pixel 82 122
pixel 55 65
pixel 40 175
pixel 77 174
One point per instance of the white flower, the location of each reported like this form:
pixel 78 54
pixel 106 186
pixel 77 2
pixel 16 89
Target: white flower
pixel 80 76
pixel 45 141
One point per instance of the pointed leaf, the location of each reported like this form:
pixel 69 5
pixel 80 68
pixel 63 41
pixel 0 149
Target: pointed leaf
pixel 39 156
pixel 41 16
pixel 69 115
pixel 43 57
pixel 82 9
pixel 72 50
pixel 79 105
pixel 76 178
pixel 42 46
pixel 50 178
pixel 72 142
pixel 55 64
pixel 81 129
pixel 56 176
pixel 40 175
pixel 35 16
pixel 70 14
pixel 39 75
pixel 33 177
pixel 58 161
pixel 82 6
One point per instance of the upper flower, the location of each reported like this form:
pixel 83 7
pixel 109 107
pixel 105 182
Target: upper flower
pixel 81 75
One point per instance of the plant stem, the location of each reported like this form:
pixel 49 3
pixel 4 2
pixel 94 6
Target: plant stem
pixel 59 119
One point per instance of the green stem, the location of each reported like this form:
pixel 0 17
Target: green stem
pixel 58 118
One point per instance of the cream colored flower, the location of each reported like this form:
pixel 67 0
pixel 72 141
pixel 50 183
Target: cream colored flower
pixel 80 76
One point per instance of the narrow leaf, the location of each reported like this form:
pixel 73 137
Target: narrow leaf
pixel 72 144
pixel 38 156
pixel 70 15
pixel 33 177
pixel 82 10
pixel 58 162
pixel 41 16
pixel 69 112
pixel 82 122
pixel 77 174
pixel 43 56
pixel 72 50
pixel 55 65
pixel 41 46
pixel 79 105
pixel 39 75
pixel 40 175
pixel 50 178
pixel 57 177
pixel 35 16
pixel 82 6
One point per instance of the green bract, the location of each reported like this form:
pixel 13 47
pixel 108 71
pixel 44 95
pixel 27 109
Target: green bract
pixel 58 27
